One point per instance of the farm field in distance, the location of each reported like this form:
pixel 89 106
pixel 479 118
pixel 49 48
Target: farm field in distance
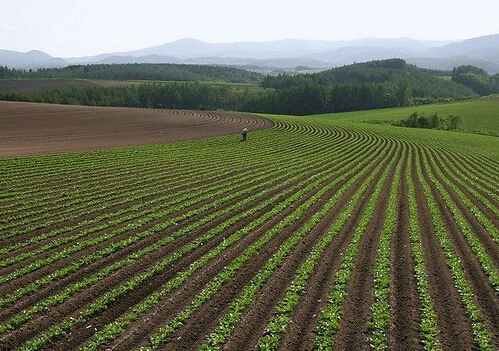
pixel 476 116
pixel 63 128
pixel 317 233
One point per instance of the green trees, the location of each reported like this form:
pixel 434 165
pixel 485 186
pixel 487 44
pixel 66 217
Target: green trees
pixel 364 86
pixel 416 120
pixel 477 79
pixel 141 71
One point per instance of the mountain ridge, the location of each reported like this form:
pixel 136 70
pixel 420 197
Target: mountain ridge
pixel 286 54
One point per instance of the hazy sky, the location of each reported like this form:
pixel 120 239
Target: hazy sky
pixel 87 27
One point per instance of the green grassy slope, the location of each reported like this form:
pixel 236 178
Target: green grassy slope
pixel 477 116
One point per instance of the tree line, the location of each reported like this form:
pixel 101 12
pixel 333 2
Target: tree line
pixel 476 79
pixel 139 71
pixel 434 121
pixel 376 84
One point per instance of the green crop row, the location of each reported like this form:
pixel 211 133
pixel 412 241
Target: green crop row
pixel 470 176
pixel 329 320
pixel 451 181
pixel 117 327
pixel 482 335
pixel 173 197
pixel 380 310
pixel 475 244
pixel 132 258
pixel 279 322
pixel 177 174
pixel 428 325
pixel 135 214
pixel 86 260
pixel 264 274
pixel 101 303
pixel 182 177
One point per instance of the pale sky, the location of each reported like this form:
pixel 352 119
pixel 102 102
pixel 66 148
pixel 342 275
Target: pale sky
pixel 69 28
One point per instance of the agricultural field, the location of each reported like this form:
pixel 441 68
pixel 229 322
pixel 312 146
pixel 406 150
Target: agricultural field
pixel 61 128
pixel 317 233
pixel 479 116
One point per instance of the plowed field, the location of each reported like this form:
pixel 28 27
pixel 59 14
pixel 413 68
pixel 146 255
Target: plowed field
pixel 310 235
pixel 30 128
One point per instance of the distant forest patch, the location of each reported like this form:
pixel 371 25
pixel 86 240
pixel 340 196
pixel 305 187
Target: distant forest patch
pixel 364 86
pixel 476 79
pixel 140 71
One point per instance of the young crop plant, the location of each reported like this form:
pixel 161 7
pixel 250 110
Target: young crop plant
pixel 475 244
pixel 271 265
pixel 482 335
pixel 62 296
pixel 102 302
pixel 380 318
pixel 473 209
pixel 112 330
pixel 227 323
pixel 118 327
pixel 215 244
pixel 330 317
pixel 88 259
pixel 281 319
pixel 428 326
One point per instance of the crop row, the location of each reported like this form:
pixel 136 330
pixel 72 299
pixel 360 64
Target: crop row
pixel 258 219
pixel 112 295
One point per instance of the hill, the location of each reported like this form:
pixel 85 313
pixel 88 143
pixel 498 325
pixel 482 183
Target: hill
pixel 477 79
pixel 29 60
pixel 144 71
pixel 364 86
pixel 476 116
pixel 377 84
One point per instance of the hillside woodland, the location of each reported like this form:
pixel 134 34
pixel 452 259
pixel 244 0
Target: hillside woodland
pixel 363 86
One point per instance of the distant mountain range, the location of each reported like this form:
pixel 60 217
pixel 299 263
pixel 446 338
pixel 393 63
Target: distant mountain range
pixel 30 59
pixel 287 55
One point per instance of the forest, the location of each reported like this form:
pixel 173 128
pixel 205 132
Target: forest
pixel 363 86
pixel 476 79
pixel 139 71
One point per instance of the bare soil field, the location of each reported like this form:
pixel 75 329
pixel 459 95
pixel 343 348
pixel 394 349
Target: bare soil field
pixel 31 128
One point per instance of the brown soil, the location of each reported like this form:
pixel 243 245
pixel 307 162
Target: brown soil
pixel 32 129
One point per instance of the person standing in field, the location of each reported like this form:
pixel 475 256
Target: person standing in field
pixel 243 134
